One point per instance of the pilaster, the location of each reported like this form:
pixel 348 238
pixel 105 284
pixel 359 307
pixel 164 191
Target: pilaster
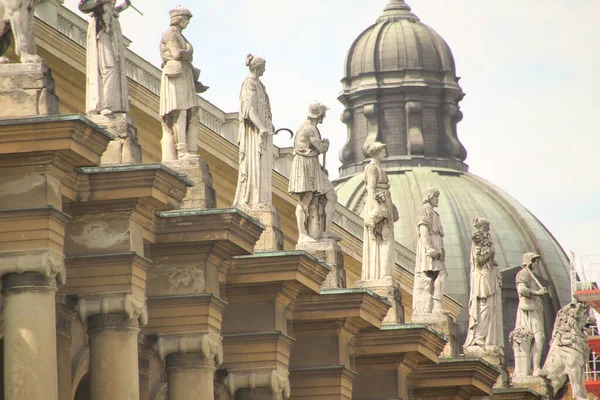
pixel 454 378
pixel 332 321
pixel 386 359
pixel 261 290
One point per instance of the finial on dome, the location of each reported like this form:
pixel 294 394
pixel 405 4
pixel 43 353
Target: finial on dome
pixel 395 10
pixel 397 5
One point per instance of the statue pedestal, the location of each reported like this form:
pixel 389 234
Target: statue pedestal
pixel 202 194
pixel 124 149
pixel 535 383
pixel 331 253
pixel 272 237
pixel 389 289
pixel 442 323
pixel 493 355
pixel 27 90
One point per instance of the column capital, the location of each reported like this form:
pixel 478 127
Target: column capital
pixel 113 311
pixel 208 345
pixel 276 380
pixel 46 263
pixel 27 281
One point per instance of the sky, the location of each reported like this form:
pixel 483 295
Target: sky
pixel 530 69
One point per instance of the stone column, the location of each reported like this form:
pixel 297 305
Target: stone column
pixel 191 362
pixel 64 318
pixel 113 327
pixel 30 366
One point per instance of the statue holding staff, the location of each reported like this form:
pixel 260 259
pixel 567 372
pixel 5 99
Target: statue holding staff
pixel 106 90
pixel 309 180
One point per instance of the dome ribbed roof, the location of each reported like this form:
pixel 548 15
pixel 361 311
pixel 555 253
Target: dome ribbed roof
pixel 398 41
pixel 465 196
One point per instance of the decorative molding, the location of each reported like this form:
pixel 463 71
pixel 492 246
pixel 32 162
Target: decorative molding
pixel 128 305
pixel 275 380
pixel 47 263
pixel 208 345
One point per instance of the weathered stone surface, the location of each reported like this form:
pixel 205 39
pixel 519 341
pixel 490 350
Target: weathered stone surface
pixel 27 90
pixel 202 194
pixel 106 89
pixel 125 149
pixel 528 338
pixel 430 261
pixel 309 180
pixel 255 137
pixel 272 237
pixel 179 104
pixel 390 289
pixel 379 216
pixel 569 350
pixel 442 323
pixel 331 253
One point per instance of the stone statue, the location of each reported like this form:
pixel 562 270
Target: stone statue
pixel 106 91
pixel 379 216
pixel 16 17
pixel 255 140
pixel 309 180
pixel 430 266
pixel 485 299
pixel 569 350
pixel 530 320
pixel 179 85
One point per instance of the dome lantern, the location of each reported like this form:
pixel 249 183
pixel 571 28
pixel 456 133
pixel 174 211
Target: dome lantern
pixel 400 88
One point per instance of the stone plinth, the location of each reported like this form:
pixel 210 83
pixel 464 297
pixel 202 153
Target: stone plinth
pixel 331 253
pixel 493 355
pixel 27 90
pixel 515 394
pixel 534 383
pixel 390 289
pixel 202 194
pixel 125 149
pixel 453 378
pixel 443 323
pixel 331 320
pixel 272 237
pixel 386 358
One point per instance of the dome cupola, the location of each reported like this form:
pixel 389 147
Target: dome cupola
pixel 400 84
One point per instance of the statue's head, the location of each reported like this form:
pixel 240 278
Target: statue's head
pixel 256 64
pixel 180 16
pixel 431 195
pixel 377 150
pixel 481 224
pixel 317 111
pixel 530 260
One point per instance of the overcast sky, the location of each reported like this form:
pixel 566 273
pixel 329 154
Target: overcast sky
pixel 530 69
